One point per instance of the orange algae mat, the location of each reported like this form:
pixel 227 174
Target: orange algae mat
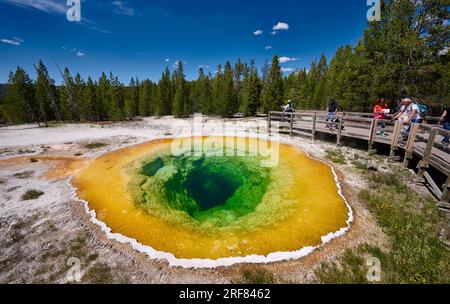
pixel 213 207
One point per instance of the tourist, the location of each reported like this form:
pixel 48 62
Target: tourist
pixel 332 109
pixel 288 108
pixel 409 113
pixel 380 111
pixel 445 121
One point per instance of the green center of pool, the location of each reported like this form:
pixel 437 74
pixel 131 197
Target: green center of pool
pixel 217 190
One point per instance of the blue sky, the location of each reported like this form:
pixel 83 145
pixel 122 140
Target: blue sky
pixel 140 38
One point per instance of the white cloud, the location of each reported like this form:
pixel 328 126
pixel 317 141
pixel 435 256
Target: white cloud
pixel 80 54
pixel 18 39
pixel 14 41
pixel 8 41
pixel 269 47
pixel 288 59
pixel 54 7
pixel 167 60
pixel 258 32
pixel 122 8
pixel 287 70
pixel 91 26
pixel 205 67
pixel 273 33
pixel 281 26
pixel 48 6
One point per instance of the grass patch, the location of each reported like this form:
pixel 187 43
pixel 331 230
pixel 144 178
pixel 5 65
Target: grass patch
pixel 12 189
pixel 78 154
pixel 412 223
pixel 93 146
pixel 26 151
pixel 255 276
pixel 24 175
pixel 335 156
pixel 32 195
pixel 34 160
pixel 99 273
pixel 92 257
pixel 52 227
pixel 360 165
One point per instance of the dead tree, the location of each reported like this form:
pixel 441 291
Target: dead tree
pixel 72 98
pixel 51 98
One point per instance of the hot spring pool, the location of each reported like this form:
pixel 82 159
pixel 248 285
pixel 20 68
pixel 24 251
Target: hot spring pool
pixel 197 210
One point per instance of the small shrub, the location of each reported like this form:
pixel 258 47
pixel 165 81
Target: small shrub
pixel 335 156
pixel 99 273
pixel 93 146
pixel 32 195
pixel 24 175
pixel 255 276
pixel 34 160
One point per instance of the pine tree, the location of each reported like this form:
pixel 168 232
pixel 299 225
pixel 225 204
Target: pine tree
pixel 166 94
pixel 130 100
pixel 201 93
pixel 145 99
pixel 155 100
pixel 19 103
pixel 218 91
pixel 103 96
pixel 69 103
pixel 253 94
pixel 273 93
pixel 117 97
pixel 181 104
pixel 46 94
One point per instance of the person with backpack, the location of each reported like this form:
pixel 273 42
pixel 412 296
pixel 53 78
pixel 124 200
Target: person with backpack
pixel 288 108
pixel 332 109
pixel 409 113
pixel 445 121
pixel 423 110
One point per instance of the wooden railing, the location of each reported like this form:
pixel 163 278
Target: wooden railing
pixel 422 140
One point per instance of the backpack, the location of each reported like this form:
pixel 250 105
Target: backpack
pixel 423 109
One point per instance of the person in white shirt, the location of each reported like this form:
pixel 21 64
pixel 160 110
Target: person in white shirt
pixel 409 113
pixel 288 108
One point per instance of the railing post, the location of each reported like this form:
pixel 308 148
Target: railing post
pixel 410 144
pixel 292 124
pixel 446 193
pixel 339 134
pixel 425 162
pixel 372 133
pixel 395 138
pixel 269 123
pixel 314 126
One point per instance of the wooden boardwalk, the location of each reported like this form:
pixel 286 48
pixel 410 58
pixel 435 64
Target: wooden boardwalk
pixel 423 140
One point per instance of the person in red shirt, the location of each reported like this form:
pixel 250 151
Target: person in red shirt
pixel 380 111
